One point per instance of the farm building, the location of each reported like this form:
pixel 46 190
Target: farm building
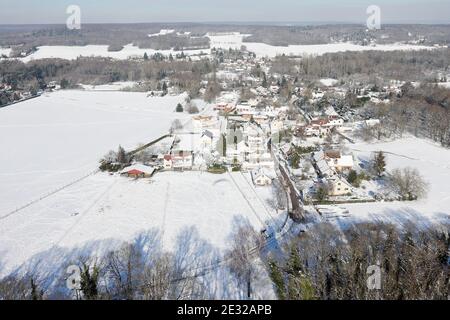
pixel 138 171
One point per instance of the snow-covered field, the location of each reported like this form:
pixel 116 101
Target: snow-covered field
pixel 162 32
pixel 432 161
pixel 99 212
pixel 444 85
pixel 55 139
pixel 115 86
pixel 225 41
pixel 235 40
pixel 328 82
pixel 73 52
pixel 50 141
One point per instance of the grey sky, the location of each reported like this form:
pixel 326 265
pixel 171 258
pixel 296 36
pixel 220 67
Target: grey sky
pixel 102 11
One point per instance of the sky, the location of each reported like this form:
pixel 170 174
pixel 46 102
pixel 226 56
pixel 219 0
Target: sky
pixel 280 11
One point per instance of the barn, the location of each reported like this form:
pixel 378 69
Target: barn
pixel 138 171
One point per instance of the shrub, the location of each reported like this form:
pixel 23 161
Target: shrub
pixel 179 108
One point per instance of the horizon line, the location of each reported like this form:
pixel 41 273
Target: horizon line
pixel 249 23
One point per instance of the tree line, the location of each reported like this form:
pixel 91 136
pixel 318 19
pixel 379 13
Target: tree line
pixel 36 74
pixel 332 264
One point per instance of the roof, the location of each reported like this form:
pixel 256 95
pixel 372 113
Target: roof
pixel 260 171
pixel 335 154
pixel 208 133
pixel 324 168
pixel 343 161
pixel 320 155
pixel 138 169
pixel 187 142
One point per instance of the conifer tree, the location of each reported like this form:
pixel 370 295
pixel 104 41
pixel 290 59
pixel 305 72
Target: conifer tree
pixel 379 163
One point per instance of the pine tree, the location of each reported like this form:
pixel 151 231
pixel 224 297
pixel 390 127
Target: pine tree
pixel 353 177
pixel 294 264
pixel 64 83
pixel 264 81
pixel 321 194
pixel 277 279
pixel 88 282
pixel 164 88
pixel 224 146
pixel 300 287
pixel 379 163
pixel 179 108
pixel 35 293
pixel 145 56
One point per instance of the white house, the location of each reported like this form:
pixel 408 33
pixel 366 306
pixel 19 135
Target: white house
pixel 182 160
pixel 339 162
pixel 168 163
pixel 261 177
pixel 206 139
pixel 334 121
pixel 338 186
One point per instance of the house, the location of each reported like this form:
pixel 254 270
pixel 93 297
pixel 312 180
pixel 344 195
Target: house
pixel 332 161
pixel 221 106
pixel 201 122
pixel 276 126
pixel 337 161
pixel 138 171
pixel 372 122
pixel 324 169
pixel 261 177
pixel 243 108
pixel 334 121
pixel 316 128
pixel 167 162
pixel 338 186
pixel 206 139
pixel 182 160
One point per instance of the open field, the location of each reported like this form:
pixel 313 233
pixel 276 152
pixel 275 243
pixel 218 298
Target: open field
pixel 235 41
pixel 225 41
pixel 101 211
pixel 52 140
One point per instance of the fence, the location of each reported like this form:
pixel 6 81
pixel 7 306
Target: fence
pixel 48 194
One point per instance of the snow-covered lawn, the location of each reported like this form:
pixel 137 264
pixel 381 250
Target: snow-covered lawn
pixel 99 212
pixel 432 161
pixel 50 141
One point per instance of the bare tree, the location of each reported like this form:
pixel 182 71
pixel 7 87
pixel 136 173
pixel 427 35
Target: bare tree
pixel 246 245
pixel 124 269
pixel 409 183
pixel 175 126
pixel 191 108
